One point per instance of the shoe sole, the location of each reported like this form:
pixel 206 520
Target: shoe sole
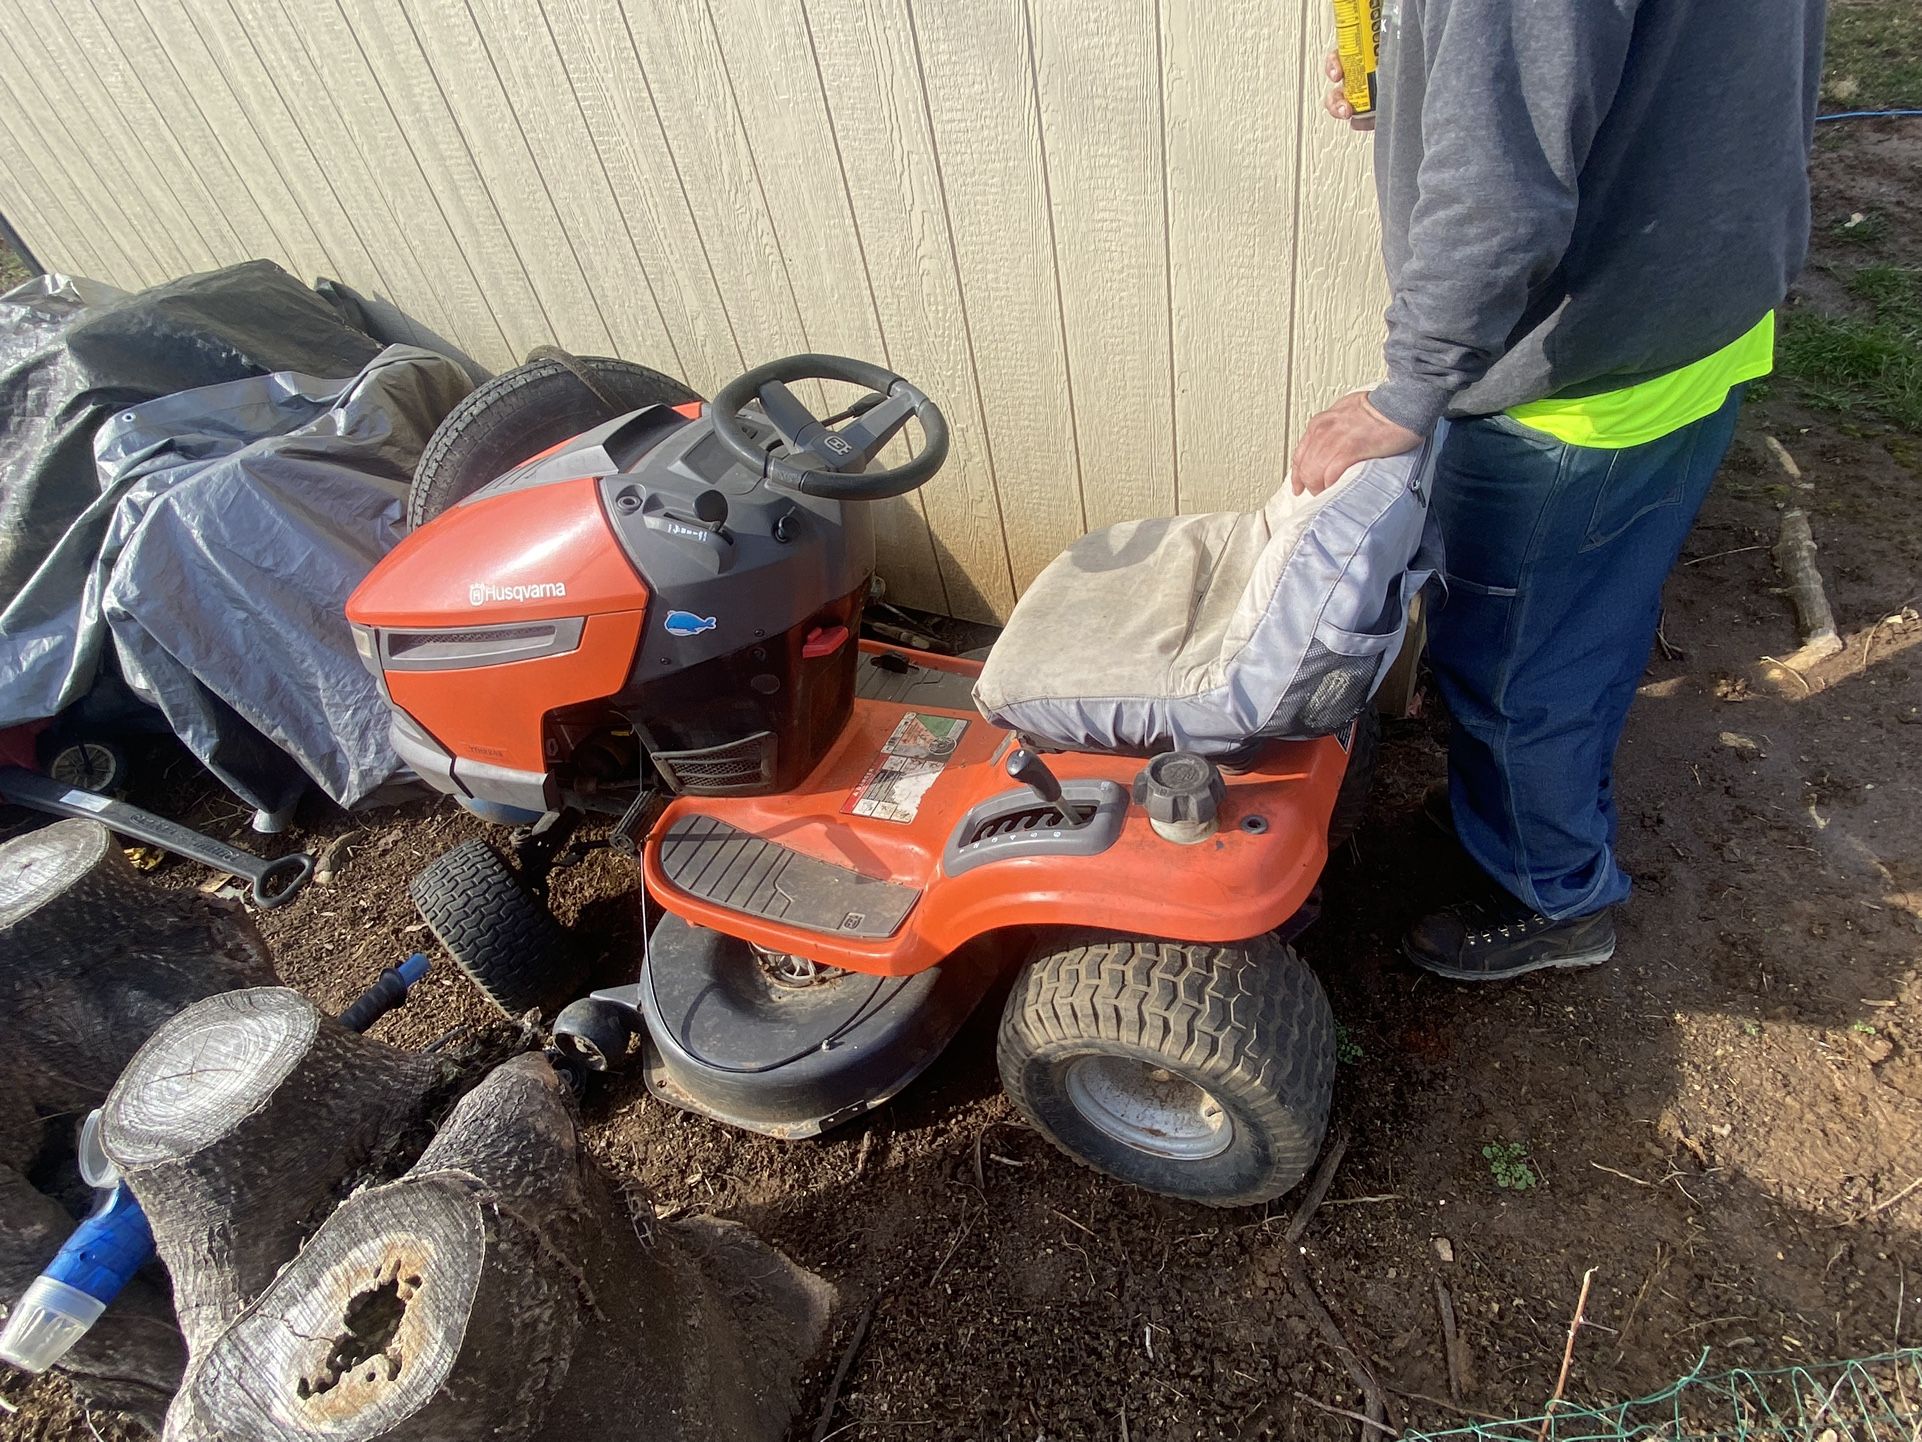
pixel 1578 961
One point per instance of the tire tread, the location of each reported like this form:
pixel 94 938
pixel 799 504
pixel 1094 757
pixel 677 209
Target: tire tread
pixel 507 943
pixel 1248 1017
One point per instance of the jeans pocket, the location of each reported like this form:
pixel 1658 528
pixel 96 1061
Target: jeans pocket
pixel 1630 489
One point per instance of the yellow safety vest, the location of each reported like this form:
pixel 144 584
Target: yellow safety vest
pixel 1638 414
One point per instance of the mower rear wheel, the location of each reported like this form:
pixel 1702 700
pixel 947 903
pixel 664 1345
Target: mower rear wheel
pixel 521 413
pixel 1356 782
pixel 1198 1071
pixel 496 930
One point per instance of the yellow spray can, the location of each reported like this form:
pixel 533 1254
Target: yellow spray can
pixel 1356 29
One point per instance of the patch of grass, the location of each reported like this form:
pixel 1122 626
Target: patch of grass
pixel 1874 58
pixel 1508 1165
pixel 1863 228
pixel 13 270
pixel 1869 361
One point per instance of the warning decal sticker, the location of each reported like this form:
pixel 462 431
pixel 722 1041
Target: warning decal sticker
pixel 911 759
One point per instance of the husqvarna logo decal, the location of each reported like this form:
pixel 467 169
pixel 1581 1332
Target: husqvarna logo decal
pixel 479 593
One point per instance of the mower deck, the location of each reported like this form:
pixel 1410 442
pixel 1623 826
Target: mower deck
pixel 908 840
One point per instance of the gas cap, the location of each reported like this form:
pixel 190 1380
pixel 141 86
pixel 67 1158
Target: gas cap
pixel 1181 793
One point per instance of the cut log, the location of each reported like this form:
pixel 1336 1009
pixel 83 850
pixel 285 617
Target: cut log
pixel 93 957
pixel 502 1289
pixel 236 1124
pixel 130 1360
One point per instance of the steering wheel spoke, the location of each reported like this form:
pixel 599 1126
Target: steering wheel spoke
pixel 791 418
pixel 865 435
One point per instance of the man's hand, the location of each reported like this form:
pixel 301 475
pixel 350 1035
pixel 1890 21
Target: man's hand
pixel 1349 431
pixel 1336 101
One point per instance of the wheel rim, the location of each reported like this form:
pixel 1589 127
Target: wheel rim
pixel 1148 1107
pixel 87 765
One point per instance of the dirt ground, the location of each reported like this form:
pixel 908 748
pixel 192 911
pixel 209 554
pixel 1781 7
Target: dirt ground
pixel 1722 1123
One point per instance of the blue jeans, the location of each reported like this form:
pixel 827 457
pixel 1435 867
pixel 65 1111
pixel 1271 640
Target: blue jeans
pixel 1555 559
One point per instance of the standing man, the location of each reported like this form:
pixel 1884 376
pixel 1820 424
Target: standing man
pixel 1590 210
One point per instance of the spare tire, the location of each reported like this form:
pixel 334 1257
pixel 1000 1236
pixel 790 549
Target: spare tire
pixel 521 413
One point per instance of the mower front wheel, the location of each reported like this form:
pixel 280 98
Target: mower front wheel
pixel 496 929
pixel 1198 1071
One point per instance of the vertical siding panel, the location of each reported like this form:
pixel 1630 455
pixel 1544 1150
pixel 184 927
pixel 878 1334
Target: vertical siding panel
pixel 1100 81
pixel 470 80
pixel 1233 112
pixel 604 76
pixel 682 70
pixel 158 151
pixel 175 46
pixel 870 74
pixel 260 93
pixel 774 85
pixel 388 42
pixel 150 87
pixel 388 271
pixel 69 171
pixel 439 286
pixel 987 123
pixel 531 69
pixel 1340 291
pixel 63 245
pixel 112 154
pixel 19 203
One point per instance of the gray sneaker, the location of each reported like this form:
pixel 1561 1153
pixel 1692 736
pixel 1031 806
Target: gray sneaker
pixel 1497 939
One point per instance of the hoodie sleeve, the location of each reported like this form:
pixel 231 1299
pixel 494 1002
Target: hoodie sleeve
pixel 1515 92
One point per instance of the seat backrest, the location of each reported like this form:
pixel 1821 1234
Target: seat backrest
pixel 1204 633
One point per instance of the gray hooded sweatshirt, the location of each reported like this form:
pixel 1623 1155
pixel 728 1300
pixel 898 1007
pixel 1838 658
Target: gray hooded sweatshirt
pixel 1578 195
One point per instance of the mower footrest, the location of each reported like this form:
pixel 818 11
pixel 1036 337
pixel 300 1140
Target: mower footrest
pixel 727 866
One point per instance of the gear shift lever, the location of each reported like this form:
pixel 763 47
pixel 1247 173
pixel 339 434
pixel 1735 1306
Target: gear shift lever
pixel 1032 772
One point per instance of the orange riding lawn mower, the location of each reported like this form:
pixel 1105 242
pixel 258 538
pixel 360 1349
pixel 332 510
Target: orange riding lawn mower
pixel 619 601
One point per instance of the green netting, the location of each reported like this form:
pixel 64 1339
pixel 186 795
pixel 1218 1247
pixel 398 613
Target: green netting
pixel 1870 1399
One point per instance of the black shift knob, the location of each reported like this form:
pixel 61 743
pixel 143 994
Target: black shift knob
pixel 1032 772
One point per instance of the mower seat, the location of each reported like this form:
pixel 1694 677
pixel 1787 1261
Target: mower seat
pixel 1211 633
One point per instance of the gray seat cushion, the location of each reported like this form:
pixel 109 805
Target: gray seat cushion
pixel 1204 633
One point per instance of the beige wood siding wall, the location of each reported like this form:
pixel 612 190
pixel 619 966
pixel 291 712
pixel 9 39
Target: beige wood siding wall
pixel 1114 238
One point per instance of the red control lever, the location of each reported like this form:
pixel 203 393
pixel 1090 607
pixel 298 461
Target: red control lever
pixel 824 641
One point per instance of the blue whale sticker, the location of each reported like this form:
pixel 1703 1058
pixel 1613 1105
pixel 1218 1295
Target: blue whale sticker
pixel 686 623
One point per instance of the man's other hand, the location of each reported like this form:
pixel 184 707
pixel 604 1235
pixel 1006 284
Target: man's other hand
pixel 1336 102
pixel 1348 432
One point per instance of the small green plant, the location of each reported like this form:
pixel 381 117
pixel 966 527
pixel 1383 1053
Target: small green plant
pixel 1862 1028
pixel 1508 1165
pixel 1861 228
pixel 1752 1028
pixel 1348 1051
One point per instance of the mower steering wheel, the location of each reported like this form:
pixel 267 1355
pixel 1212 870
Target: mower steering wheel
pixel 824 462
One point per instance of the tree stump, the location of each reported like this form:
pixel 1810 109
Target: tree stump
pixel 500 1288
pixel 93 957
pixel 130 1360
pixel 236 1123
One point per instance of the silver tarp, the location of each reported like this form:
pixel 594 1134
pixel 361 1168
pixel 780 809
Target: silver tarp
pixel 245 515
pixel 196 538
